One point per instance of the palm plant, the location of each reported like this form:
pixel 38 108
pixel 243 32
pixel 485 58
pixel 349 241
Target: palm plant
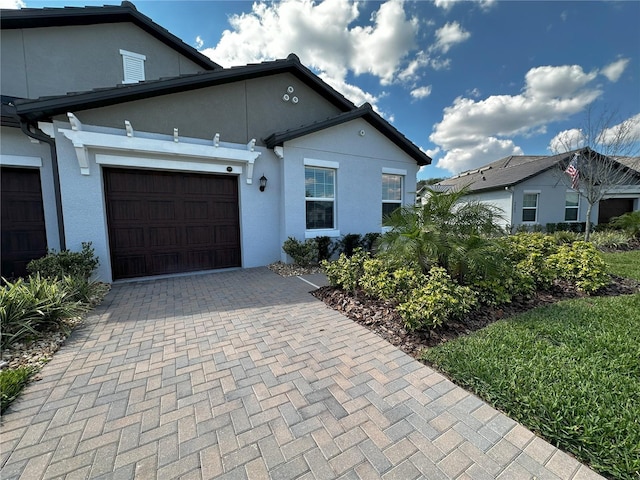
pixel 448 232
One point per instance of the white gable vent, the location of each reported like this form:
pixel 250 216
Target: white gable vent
pixel 133 65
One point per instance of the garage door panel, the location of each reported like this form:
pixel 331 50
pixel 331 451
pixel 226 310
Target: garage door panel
pixel 167 263
pixel 227 235
pixel 223 211
pixel 163 237
pixel 198 235
pixel 200 260
pixel 126 210
pixel 161 210
pixel 227 258
pixel 22 211
pixel 23 233
pixel 182 222
pixel 128 238
pixel 194 210
pixel 130 266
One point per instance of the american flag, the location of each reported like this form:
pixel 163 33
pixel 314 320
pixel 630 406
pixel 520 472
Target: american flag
pixel 573 172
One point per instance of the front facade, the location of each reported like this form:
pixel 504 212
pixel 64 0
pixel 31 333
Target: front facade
pixel 534 192
pixel 167 176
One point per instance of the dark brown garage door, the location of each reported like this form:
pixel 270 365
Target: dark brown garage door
pixel 24 235
pixel 167 222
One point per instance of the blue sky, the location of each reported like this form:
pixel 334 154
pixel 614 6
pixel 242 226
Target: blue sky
pixel 469 82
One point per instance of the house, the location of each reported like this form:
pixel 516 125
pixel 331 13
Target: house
pixel 116 132
pixel 534 190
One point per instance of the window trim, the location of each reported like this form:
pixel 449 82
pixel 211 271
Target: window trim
pixel 535 209
pixel 394 173
pixel 577 207
pixel 133 59
pixel 323 165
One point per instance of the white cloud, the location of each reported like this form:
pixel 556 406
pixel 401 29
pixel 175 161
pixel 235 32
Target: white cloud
pixel 473 132
pixel 620 137
pixel 323 37
pixel 566 140
pixel 12 4
pixel 421 92
pixel 449 35
pixel 447 4
pixel 614 70
pixel 481 153
pixel 199 43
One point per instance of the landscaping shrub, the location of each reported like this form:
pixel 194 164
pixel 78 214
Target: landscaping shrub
pixel 439 300
pixel 529 253
pixel 349 243
pixel 35 305
pixel 346 271
pixel 326 248
pixel 561 237
pixel 66 263
pixel 629 222
pixel 582 264
pixel 611 239
pixel 370 240
pixel 385 280
pixel 303 253
pixel 11 383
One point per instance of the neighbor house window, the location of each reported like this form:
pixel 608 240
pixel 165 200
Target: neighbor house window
pixel 530 207
pixel 320 196
pixel 571 206
pixel 133 65
pixel 391 193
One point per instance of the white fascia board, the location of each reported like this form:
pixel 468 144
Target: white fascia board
pixel 166 164
pixel 83 140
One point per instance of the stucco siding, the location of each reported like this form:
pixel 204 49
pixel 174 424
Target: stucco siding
pixel 239 111
pixel 16 145
pixel 501 199
pixel 58 60
pixel 551 199
pixel 360 161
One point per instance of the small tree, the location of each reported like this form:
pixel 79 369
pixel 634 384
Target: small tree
pixel 603 153
pixel 445 231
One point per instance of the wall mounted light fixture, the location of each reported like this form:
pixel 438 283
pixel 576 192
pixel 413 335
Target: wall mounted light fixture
pixel 263 183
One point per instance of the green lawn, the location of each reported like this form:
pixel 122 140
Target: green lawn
pixel 625 264
pixel 569 372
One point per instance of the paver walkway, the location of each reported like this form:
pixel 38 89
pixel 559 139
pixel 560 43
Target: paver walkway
pixel 243 374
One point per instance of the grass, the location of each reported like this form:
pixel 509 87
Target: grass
pixel 11 384
pixel 625 264
pixel 569 372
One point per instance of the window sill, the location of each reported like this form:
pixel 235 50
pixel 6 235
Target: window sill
pixel 330 232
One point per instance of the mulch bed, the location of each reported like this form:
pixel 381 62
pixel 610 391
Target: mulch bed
pixel 381 317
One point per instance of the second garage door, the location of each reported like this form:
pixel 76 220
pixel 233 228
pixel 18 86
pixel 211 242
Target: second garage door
pixel 167 222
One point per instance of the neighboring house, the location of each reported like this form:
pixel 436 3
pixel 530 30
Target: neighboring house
pixel 531 191
pixel 116 132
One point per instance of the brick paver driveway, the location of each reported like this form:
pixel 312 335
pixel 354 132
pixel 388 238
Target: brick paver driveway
pixel 243 374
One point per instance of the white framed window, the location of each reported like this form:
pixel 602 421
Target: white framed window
pixel 320 197
pixel 392 188
pixel 530 207
pixel 571 206
pixel 133 66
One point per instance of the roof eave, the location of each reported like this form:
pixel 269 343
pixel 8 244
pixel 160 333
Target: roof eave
pixel 34 110
pixel 366 112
